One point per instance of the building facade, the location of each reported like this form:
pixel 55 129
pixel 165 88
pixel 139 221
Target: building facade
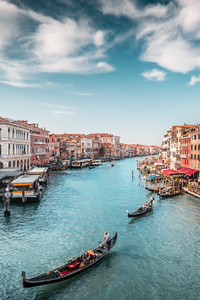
pixel 14 144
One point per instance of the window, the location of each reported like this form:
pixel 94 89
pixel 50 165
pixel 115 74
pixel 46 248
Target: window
pixel 195 147
pixel 191 156
pixel 198 136
pixel 191 147
pixel 194 156
pixel 195 137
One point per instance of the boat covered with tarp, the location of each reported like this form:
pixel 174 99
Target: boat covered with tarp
pixel 72 268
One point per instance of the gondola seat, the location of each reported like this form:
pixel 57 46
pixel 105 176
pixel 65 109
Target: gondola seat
pixel 72 266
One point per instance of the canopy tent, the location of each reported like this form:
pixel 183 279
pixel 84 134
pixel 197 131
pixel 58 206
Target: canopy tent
pixel 170 172
pixel 187 171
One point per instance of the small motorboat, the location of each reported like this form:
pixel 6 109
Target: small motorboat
pixel 141 211
pixel 72 268
pixel 112 165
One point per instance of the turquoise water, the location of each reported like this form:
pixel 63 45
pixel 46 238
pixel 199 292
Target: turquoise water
pixel 156 256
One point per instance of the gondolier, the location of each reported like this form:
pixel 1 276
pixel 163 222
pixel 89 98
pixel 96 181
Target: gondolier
pixel 107 239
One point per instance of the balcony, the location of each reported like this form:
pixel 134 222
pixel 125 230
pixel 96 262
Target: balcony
pixel 39 143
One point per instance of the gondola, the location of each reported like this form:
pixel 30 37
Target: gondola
pixel 72 268
pixel 170 194
pixel 140 211
pixel 92 167
pixel 152 189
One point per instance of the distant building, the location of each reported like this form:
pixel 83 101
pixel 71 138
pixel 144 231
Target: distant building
pixel 54 148
pixel 107 139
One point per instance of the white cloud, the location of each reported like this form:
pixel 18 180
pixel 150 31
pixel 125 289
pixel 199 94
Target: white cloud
pixel 99 38
pixel 61 113
pixel 104 67
pixel 155 75
pixel 194 80
pixel 170 33
pixel 82 94
pixel 53 46
pixel 129 9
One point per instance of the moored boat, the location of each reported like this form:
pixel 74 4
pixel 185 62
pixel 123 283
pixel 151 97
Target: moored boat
pixel 26 188
pixel 96 162
pixel 72 268
pixel 141 211
pixel 42 172
pixel 152 189
pixel 170 193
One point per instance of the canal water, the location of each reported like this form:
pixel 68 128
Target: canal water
pixel 156 256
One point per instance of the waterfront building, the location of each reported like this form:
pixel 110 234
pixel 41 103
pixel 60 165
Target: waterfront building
pixel 176 134
pixel 166 145
pixel 106 139
pixel 86 148
pixel 75 149
pixel 54 147
pixel 39 143
pixel 95 148
pixel 14 144
pixel 122 150
pixel 186 148
pixel 173 155
pixel 195 148
pixel 107 150
pixel 71 152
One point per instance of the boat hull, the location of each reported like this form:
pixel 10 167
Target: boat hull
pixel 137 214
pixel 56 275
pixel 141 211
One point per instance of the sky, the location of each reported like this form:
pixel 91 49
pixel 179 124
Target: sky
pixel 126 67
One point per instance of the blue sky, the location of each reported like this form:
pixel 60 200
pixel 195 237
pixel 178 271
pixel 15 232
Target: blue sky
pixel 125 67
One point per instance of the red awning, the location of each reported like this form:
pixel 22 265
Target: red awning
pixel 171 172
pixel 188 171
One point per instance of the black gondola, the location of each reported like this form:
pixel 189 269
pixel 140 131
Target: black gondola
pixel 72 268
pixel 152 189
pixel 141 210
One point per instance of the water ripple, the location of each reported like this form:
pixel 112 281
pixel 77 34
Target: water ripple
pixel 156 256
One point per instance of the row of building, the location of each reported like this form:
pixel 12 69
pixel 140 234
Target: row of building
pixel 95 145
pixel 24 145
pixel 181 147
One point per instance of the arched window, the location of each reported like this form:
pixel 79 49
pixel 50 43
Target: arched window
pixel 9 164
